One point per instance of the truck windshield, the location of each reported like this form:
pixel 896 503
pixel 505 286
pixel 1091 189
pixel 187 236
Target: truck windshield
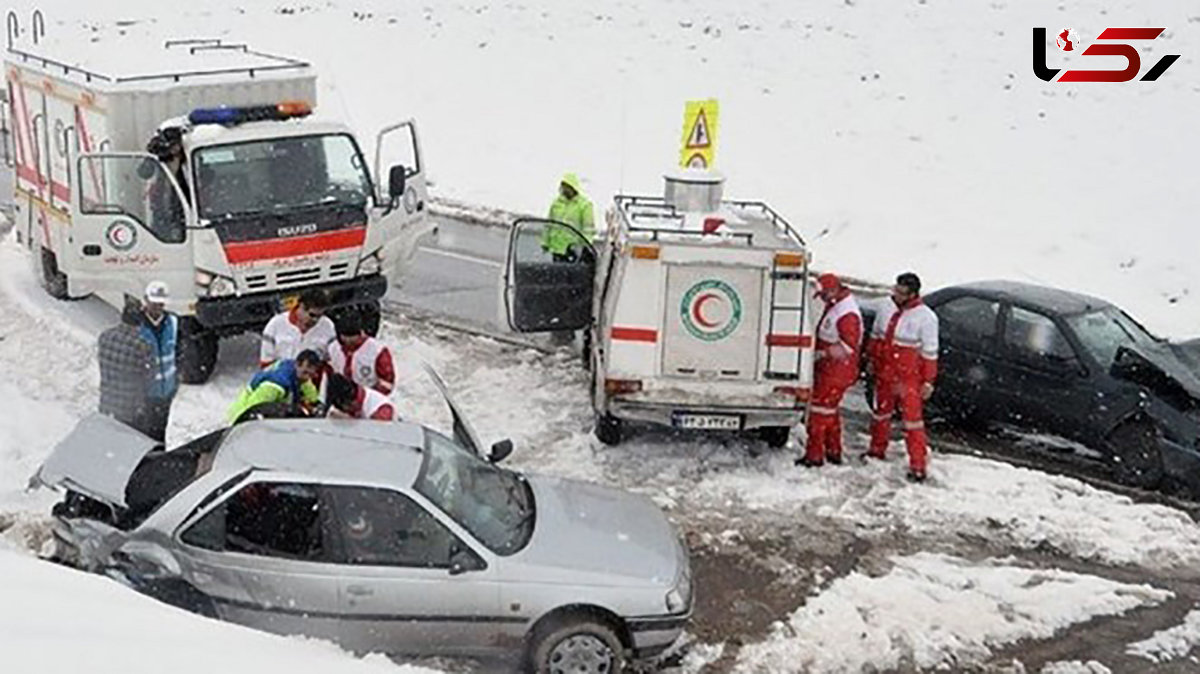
pixel 279 174
pixel 494 504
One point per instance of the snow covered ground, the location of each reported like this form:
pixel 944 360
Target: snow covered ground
pixel 55 619
pixel 933 610
pixel 897 135
pixel 1027 556
pixel 1171 644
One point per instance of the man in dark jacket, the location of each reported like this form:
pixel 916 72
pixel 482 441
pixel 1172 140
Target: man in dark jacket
pixel 138 379
pixel 126 370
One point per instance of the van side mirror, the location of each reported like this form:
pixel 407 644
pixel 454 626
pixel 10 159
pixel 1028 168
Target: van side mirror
pixel 500 451
pixel 396 182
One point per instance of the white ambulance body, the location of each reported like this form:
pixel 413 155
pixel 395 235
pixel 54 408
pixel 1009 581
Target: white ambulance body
pixel 699 311
pixel 269 201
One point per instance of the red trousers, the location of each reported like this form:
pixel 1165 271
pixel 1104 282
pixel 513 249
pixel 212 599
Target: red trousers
pixel 830 381
pixel 905 392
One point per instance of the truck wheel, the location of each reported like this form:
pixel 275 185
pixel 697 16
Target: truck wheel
pixel 196 351
pixel 371 317
pixel 1135 454
pixel 608 429
pixel 53 280
pixel 775 436
pixel 578 645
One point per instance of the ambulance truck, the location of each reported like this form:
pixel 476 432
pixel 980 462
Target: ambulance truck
pixel 266 201
pixel 696 310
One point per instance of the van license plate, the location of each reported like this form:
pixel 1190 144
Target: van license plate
pixel 722 422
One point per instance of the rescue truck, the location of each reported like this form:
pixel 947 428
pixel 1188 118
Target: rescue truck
pixel 696 309
pixel 266 201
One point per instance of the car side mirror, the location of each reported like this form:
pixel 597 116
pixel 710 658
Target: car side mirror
pixel 500 451
pixel 463 560
pixel 396 182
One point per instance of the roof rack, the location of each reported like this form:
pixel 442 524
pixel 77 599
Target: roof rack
pixel 276 62
pixel 637 209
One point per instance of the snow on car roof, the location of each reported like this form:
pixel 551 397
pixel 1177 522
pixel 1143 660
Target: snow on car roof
pixel 1052 299
pixel 336 448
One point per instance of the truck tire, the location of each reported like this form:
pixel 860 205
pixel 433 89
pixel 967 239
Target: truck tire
pixel 609 429
pixel 1135 454
pixel 195 351
pixel 775 436
pixel 583 645
pixel 53 280
pixel 371 317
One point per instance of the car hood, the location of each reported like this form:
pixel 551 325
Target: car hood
pixel 96 459
pixel 587 528
pixel 1180 362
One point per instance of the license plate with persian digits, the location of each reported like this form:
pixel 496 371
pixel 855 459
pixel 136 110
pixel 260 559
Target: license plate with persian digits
pixel 709 422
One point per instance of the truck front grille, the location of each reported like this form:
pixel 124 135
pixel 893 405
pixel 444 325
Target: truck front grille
pixel 256 282
pixel 297 276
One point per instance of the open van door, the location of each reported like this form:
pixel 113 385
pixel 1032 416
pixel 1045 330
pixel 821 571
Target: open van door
pixel 129 226
pixel 550 277
pixel 401 193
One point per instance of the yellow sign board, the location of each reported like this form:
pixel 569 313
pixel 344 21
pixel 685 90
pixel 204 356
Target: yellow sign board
pixel 698 147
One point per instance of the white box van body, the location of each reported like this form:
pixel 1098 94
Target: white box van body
pixel 698 313
pixel 268 202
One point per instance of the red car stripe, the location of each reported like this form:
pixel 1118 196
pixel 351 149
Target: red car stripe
pixel 252 251
pixel 796 341
pixel 634 335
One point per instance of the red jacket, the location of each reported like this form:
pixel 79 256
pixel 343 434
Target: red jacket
pixel 839 336
pixel 904 342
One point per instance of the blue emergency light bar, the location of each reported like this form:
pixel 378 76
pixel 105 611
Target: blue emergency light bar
pixel 230 116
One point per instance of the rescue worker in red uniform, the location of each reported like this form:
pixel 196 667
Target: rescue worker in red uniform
pixel 839 336
pixel 903 352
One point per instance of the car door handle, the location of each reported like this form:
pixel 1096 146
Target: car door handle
pixel 359 591
pixel 91 250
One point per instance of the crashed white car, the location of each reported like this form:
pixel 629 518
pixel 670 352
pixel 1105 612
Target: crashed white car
pixel 379 536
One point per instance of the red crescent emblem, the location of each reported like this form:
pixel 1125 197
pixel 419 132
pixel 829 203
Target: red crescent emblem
pixel 698 310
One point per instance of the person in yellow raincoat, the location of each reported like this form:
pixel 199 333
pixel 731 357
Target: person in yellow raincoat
pixel 571 207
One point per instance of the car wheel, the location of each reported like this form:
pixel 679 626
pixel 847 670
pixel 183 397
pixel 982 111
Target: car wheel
pixel 608 429
pixel 581 645
pixel 196 351
pixel 775 436
pixel 53 280
pixel 1135 454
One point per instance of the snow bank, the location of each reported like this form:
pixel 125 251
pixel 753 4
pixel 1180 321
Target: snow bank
pixel 1170 644
pixel 55 619
pixel 971 497
pixel 936 611
pixel 896 135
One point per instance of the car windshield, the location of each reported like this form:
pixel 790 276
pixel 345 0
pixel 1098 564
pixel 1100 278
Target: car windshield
pixel 1103 332
pixel 279 174
pixel 494 504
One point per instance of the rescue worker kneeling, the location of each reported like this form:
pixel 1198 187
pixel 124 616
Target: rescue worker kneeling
pixel 903 352
pixel 286 382
pixel 348 399
pixel 839 335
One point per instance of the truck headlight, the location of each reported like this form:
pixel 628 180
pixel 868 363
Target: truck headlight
pixel 371 264
pixel 214 285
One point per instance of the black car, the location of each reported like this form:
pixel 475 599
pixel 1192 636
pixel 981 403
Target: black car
pixel 1073 366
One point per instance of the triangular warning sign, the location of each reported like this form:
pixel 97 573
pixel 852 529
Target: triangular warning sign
pixel 698 137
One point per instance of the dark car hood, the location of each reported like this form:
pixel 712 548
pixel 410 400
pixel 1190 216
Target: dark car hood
pixel 1189 353
pixel 1179 364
